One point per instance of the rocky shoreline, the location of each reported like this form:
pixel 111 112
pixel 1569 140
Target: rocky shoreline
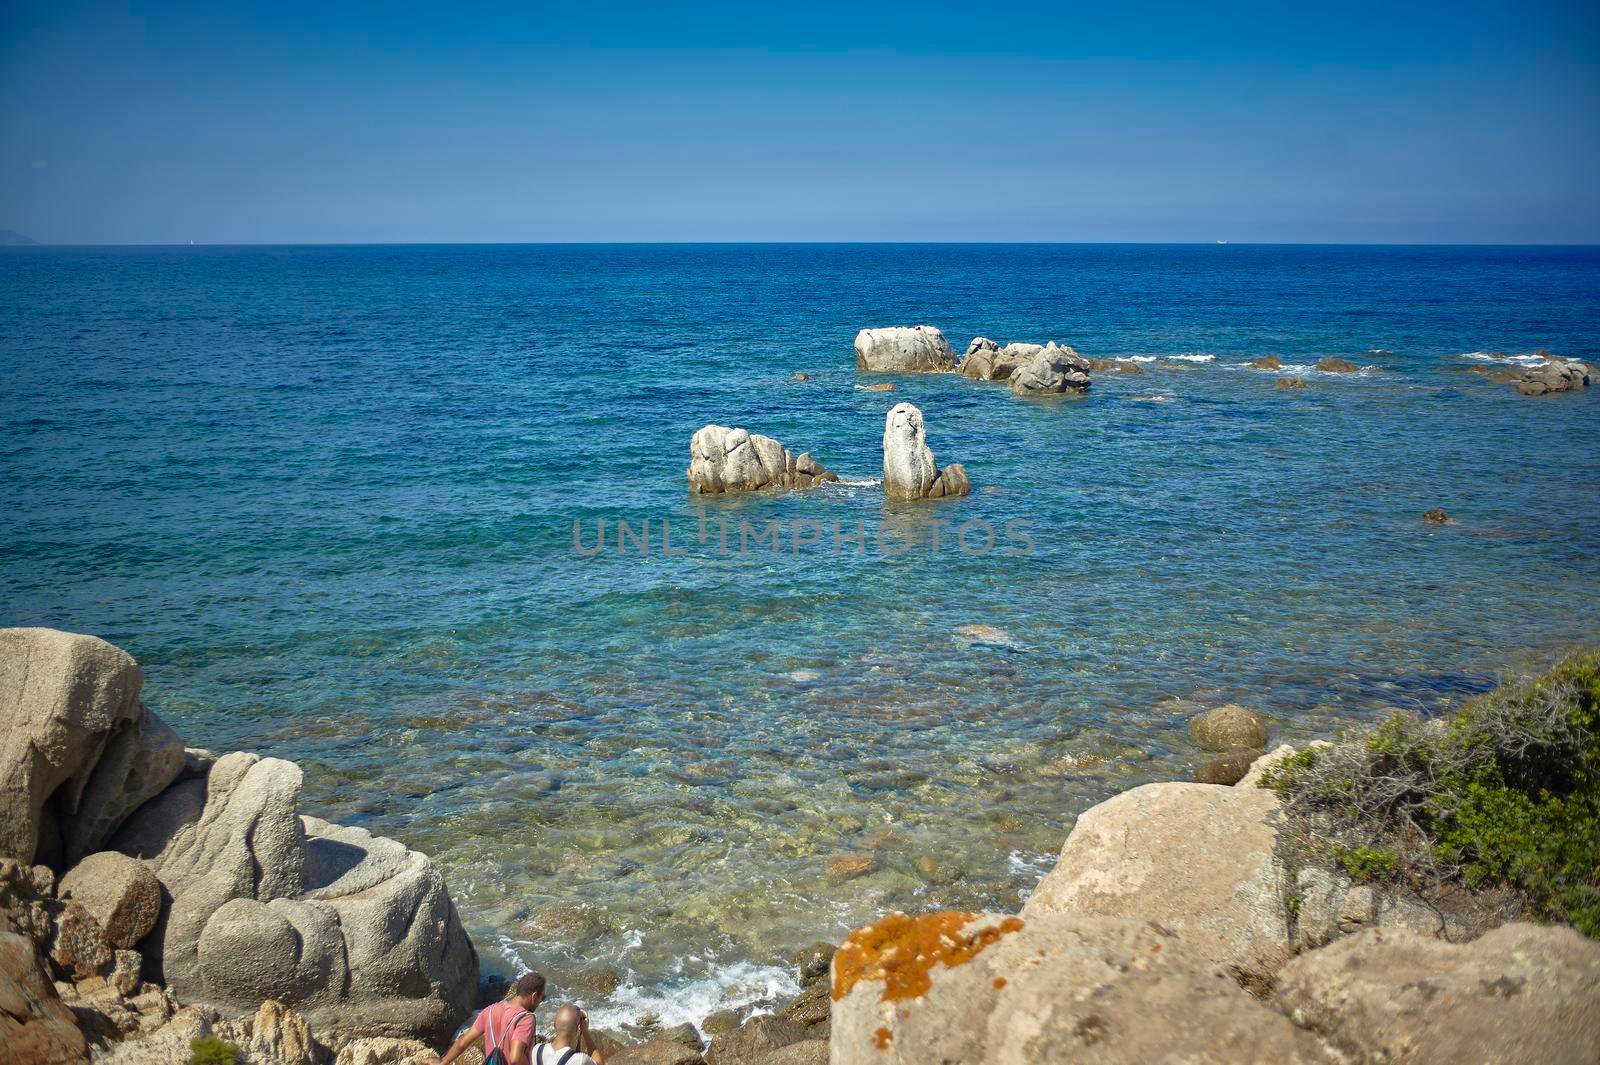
pixel 164 905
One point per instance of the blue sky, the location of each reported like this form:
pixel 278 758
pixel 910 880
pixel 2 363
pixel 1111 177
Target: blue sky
pixel 287 122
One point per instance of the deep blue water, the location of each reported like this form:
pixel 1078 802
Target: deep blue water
pixel 326 496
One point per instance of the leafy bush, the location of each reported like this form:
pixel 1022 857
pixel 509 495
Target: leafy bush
pixel 1506 792
pixel 209 1050
pixel 1369 863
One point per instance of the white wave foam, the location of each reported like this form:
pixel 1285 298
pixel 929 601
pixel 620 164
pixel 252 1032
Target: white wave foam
pixel 1156 397
pixel 1022 863
pixel 845 482
pixel 1193 357
pixel 1500 356
pixel 1136 358
pixel 688 1000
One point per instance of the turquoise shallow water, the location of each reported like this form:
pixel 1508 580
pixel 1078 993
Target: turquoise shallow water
pixel 327 495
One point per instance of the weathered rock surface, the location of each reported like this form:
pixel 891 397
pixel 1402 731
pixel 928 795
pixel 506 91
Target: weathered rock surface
pixel 656 1052
pixel 1064 988
pixel 909 469
pixel 1051 370
pixel 119 892
pixel 1226 767
pixel 36 1028
pixel 1266 362
pixel 900 349
pixel 380 1050
pixel 1521 993
pixel 752 1042
pixel 1197 858
pixel 1226 728
pixel 723 459
pixel 1334 364
pixel 280 1036
pixel 808 1052
pixel 1556 375
pixel 354 931
pixel 78 946
pixel 74 735
pixel 987 361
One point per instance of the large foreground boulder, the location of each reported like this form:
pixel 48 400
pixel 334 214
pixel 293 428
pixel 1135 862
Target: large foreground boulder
pixel 1521 993
pixel 1556 375
pixel 352 930
pixel 723 459
pixel 909 470
pixel 1197 858
pixel 78 751
pixel 902 349
pixel 991 990
pixel 1050 370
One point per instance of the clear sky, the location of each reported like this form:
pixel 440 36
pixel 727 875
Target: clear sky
pixel 227 122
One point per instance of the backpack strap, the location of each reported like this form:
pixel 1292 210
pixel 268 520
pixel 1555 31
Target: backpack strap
pixel 567 1056
pixel 496 1042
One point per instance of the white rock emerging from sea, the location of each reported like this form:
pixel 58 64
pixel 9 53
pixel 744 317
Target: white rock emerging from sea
pixel 723 459
pixel 1051 369
pixel 901 349
pixel 986 360
pixel 909 470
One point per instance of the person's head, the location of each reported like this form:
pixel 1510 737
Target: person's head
pixel 528 991
pixel 566 1022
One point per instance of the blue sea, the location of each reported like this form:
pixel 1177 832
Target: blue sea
pixel 327 496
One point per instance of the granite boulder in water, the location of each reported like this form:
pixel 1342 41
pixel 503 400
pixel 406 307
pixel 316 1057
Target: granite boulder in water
pixel 723 459
pixel 1050 370
pixel 1556 375
pixel 903 349
pixel 909 469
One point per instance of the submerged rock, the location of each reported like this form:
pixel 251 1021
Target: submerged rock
pixel 1290 382
pixel 920 348
pixel 1519 993
pixel 1196 858
pixel 1334 364
pixel 1437 516
pixel 909 470
pixel 1050 370
pixel 1266 362
pixel 723 459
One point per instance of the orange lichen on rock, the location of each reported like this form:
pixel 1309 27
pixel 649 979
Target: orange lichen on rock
pixel 999 983
pixel 902 951
pixel 882 1037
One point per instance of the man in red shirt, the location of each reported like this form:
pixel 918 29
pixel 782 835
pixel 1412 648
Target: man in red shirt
pixel 506 1026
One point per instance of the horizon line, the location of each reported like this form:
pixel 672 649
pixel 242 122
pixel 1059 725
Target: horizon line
pixel 817 243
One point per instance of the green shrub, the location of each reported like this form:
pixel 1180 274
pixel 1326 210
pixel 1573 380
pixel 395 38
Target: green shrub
pixel 1369 863
pixel 209 1050
pixel 1506 792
